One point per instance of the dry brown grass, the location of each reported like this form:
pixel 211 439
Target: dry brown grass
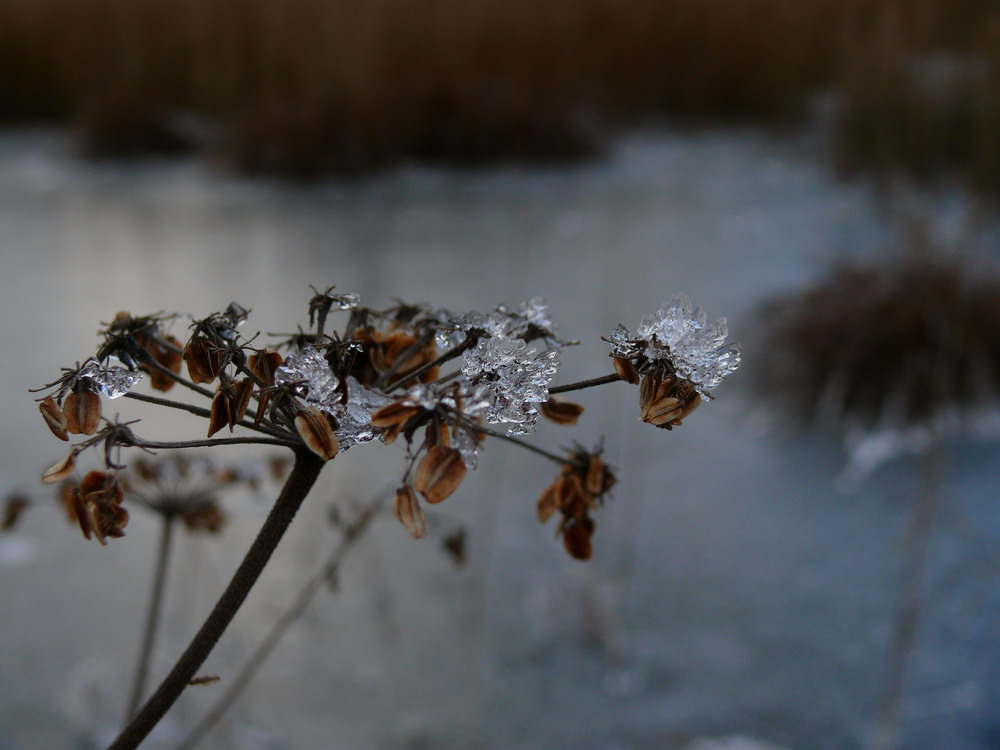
pixel 312 86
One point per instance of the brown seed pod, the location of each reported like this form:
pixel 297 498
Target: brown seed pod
pixel 549 501
pixel 562 412
pixel 83 412
pixel 13 508
pixel 576 538
pixel 626 370
pixel 392 418
pixel 59 472
pixel 439 473
pixel 204 360
pixel 315 430
pixel 166 353
pixel 54 417
pixel 263 364
pixel 406 507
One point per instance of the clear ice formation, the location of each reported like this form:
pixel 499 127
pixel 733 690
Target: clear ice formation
pixel 517 377
pixel 501 323
pixel 113 382
pixel 344 301
pixel 354 418
pixel 316 381
pixel 678 332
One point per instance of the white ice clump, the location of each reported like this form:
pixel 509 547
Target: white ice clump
pixel 345 301
pixel 113 382
pixel 622 344
pixel 678 332
pixel 354 419
pixel 517 377
pixel 501 323
pixel 317 383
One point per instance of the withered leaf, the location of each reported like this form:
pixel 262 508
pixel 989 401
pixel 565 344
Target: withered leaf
pixel 54 417
pixel 316 432
pixel 562 412
pixel 439 473
pixel 406 507
pixel 61 470
pixel 83 412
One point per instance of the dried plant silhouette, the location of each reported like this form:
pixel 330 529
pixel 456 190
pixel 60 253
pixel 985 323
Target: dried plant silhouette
pixel 444 381
pixel 908 346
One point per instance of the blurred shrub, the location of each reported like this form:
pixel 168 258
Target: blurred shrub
pixel 355 84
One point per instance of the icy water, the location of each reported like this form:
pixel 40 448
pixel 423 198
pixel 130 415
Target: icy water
pixel 734 589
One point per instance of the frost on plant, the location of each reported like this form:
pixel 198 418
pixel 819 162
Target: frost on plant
pixel 113 382
pixel 517 376
pixel 678 337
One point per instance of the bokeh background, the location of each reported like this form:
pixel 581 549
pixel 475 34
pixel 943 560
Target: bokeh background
pixel 177 156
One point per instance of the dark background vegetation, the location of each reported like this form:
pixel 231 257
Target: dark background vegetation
pixel 306 88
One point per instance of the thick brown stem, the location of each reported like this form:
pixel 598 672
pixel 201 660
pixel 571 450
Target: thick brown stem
pixel 300 481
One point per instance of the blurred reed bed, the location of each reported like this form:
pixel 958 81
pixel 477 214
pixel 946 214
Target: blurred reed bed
pixel 310 87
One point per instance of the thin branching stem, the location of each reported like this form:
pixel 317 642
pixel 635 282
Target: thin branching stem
pixel 201 412
pixel 510 439
pixel 150 362
pixel 446 357
pixel 580 385
pixel 324 574
pixel 209 442
pixel 412 349
pixel 152 614
pixel 909 603
pixel 301 479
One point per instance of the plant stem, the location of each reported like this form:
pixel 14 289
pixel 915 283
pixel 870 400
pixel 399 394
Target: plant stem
pixel 153 614
pixel 446 357
pixel 301 479
pixel 288 617
pixel 581 384
pixel 527 446
pixel 209 442
pixel 198 411
pixel 909 603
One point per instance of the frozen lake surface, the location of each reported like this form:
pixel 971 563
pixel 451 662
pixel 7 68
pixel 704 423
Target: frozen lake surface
pixel 733 589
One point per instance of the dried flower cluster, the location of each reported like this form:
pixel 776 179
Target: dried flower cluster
pixel 382 375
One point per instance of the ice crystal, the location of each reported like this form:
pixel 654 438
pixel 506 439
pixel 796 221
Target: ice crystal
pixel 234 316
pixel 113 382
pixel 517 377
pixel 354 419
pixel 679 334
pixel 311 373
pixel 622 344
pixel 345 301
pixel 501 323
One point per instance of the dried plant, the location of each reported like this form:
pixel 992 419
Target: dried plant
pixel 441 380
pixel 886 350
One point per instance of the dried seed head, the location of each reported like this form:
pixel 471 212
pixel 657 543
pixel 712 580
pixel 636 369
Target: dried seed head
pixel 315 430
pixel 561 412
pixel 665 402
pixel 406 507
pixel 600 478
pixel 549 501
pixel 61 470
pixel 54 417
pixel 576 538
pixel 439 473
pixel 83 412
pixel 166 352
pixel 626 370
pixel 219 415
pixel 264 363
pixel 204 360
pixel 206 517
pixel 13 508
pixel 392 418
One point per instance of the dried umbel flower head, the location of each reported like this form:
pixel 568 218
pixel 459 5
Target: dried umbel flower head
pixel 437 378
pixel 892 345
pixel 677 357
pixel 580 489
